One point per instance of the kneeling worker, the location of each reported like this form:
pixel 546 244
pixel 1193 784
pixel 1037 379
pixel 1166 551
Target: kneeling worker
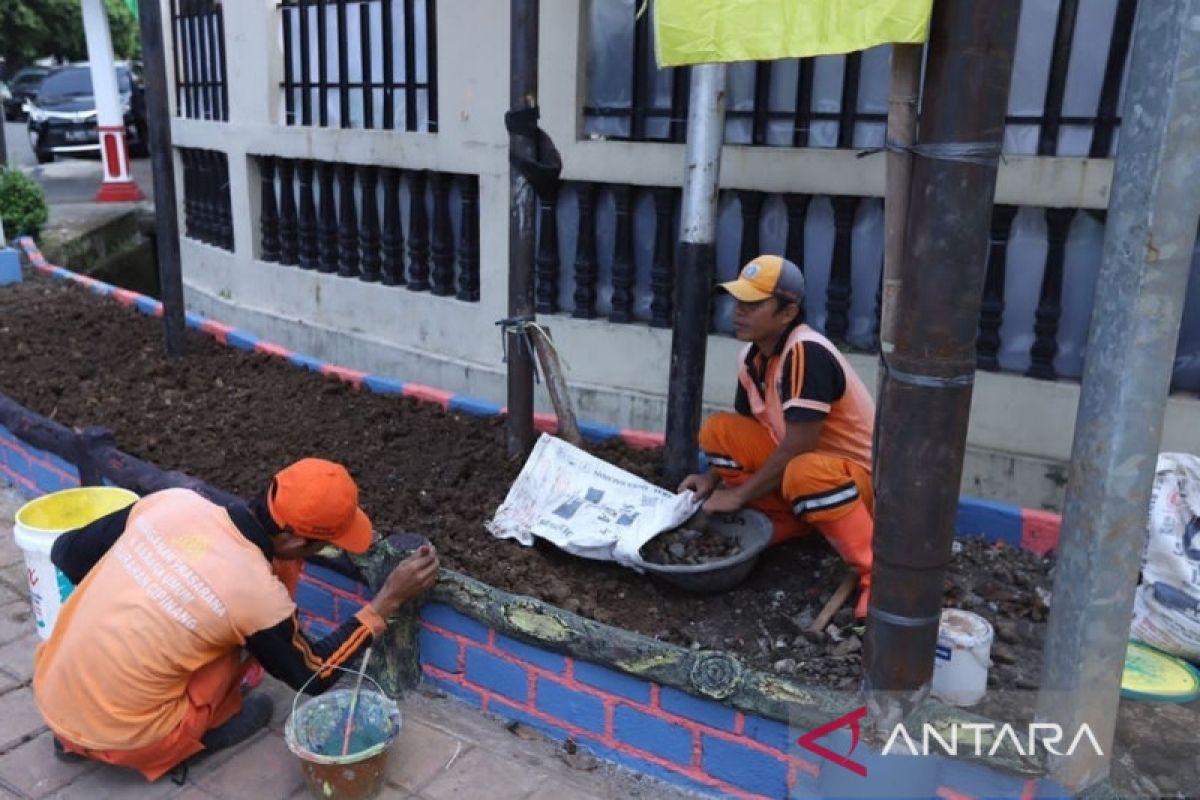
pixel 144 666
pixel 798 447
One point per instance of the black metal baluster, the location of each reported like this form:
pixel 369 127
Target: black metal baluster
pixel 762 102
pixel 991 310
pixel 369 236
pixel 393 233
pixel 662 270
pixel 204 225
pixel 622 263
pixel 418 234
pixel 849 110
pixel 681 83
pixel 288 252
pixel 804 89
pixel 224 88
pixel 203 58
pixel 1045 327
pixel 751 208
pixel 368 94
pixel 797 214
pixel 585 253
pixel 189 194
pixel 837 299
pixel 180 77
pixel 546 262
pixel 226 206
pixel 1107 109
pixel 322 63
pixel 410 69
pixel 1056 86
pixel 468 250
pixel 196 78
pixel 343 67
pixel 443 237
pixel 637 96
pixel 431 99
pixel 289 69
pixel 308 217
pixel 327 233
pixel 389 76
pixel 269 215
pixel 347 224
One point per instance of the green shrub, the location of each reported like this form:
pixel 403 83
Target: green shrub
pixel 22 204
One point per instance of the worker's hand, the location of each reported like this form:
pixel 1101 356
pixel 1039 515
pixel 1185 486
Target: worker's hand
pixel 724 501
pixel 702 483
pixel 412 577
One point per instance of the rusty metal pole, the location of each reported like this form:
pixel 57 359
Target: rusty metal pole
pixel 1143 278
pixel 925 393
pixel 166 212
pixel 523 89
pixel 697 260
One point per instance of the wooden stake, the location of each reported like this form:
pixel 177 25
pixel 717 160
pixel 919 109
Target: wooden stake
pixel 568 427
pixel 840 595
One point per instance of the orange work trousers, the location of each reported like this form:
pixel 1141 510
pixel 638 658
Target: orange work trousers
pixel 214 696
pixel 817 487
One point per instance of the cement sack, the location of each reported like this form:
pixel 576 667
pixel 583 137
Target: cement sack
pixel 586 506
pixel 1166 611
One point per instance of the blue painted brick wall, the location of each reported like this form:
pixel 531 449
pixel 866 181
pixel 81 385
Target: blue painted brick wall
pixel 316 601
pixel 381 385
pixel 446 617
pixel 997 521
pixel 585 710
pixel 665 739
pixel 712 714
pixel 647 767
pixel 514 714
pixel 534 655
pixel 469 405
pixel 454 690
pixel 502 677
pixel 48 480
pixel 772 733
pixel 613 682
pixel 438 650
pixel 744 767
pixel 335 579
pixel 241 340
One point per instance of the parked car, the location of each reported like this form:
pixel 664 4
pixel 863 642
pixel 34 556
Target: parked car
pixel 62 117
pixel 23 86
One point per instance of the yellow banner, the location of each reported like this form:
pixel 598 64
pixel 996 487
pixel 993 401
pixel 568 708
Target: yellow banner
pixel 707 31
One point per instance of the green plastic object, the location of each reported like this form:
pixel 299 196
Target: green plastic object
pixel 1156 677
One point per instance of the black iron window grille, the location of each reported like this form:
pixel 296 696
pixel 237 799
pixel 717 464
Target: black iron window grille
pixel 198 40
pixel 207 209
pixel 1065 95
pixel 360 63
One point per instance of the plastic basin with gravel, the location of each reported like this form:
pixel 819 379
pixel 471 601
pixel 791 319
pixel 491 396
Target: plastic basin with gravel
pixel 708 553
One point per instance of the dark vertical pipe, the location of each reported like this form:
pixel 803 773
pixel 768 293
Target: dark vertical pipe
pixel 418 233
pixel 364 45
pixel 622 262
pixel 343 67
pixel 925 395
pixel 547 261
pixel 1114 71
pixel 837 296
pixel 322 63
pixel 442 275
pixel 327 228
pixel 662 268
pixel 393 233
pixel 288 246
pixel 410 65
pixel 522 96
pixel 468 249
pixel 991 311
pixel 1056 86
pixel 431 70
pixel 268 214
pixel 309 255
pixel 347 223
pixel 1049 308
pixel 585 253
pixel 389 71
pixel 158 121
pixel 762 102
pixel 369 234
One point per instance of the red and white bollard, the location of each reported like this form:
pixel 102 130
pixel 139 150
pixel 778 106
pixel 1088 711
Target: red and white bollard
pixel 118 185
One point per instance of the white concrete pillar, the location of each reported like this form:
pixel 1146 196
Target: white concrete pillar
pixel 118 184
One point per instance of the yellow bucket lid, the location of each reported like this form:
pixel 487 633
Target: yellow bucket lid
pixel 1153 675
pixel 72 508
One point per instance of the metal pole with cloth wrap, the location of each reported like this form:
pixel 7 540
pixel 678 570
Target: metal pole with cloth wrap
pixel 928 375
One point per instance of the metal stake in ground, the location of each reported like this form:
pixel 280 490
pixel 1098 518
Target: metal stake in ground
pixel 697 256
pixel 523 88
pixel 1143 278
pixel 925 396
pixel 166 221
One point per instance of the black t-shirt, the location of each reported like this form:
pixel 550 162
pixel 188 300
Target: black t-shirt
pixel 810 381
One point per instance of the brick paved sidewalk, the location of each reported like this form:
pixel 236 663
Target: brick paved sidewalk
pixel 445 752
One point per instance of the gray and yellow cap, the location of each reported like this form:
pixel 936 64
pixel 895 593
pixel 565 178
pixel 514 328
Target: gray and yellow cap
pixel 767 276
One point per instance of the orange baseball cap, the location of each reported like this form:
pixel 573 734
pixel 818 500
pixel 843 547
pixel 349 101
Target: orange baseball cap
pixel 318 499
pixel 767 276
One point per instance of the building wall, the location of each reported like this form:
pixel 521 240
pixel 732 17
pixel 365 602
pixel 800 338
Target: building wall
pixel 1020 434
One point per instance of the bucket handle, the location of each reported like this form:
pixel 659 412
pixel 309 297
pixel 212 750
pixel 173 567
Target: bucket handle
pixel 304 686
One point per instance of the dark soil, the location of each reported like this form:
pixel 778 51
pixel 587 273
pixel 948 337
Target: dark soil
pixel 690 547
pixel 234 418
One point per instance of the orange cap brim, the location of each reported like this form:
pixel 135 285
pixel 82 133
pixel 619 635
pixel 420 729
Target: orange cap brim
pixel 744 290
pixel 358 536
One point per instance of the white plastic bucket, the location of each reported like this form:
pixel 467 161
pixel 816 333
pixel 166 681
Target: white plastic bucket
pixel 39 522
pixel 964 649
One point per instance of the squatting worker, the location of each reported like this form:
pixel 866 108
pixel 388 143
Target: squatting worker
pixel 798 447
pixel 144 666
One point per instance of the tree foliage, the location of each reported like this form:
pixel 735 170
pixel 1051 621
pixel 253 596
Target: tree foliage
pixel 33 29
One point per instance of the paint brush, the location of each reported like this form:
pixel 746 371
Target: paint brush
pixel 362 670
